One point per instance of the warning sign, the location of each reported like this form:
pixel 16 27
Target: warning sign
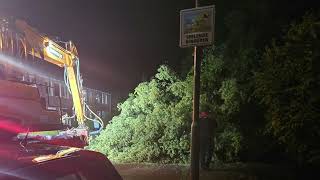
pixel 197 26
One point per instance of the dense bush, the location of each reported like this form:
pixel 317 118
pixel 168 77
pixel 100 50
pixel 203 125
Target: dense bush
pixel 220 96
pixel 288 85
pixel 154 123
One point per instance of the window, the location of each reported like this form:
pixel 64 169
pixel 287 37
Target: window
pixel 84 92
pixel 106 102
pixel 104 98
pixel 104 115
pixel 67 92
pixel 46 84
pixel 50 88
pixel 99 113
pixel 56 89
pixel 98 97
pixel 63 91
pixel 90 96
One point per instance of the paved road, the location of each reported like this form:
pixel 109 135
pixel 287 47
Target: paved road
pixel 175 172
pixel 172 172
pixel 153 172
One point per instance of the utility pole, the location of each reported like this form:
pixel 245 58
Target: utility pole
pixel 196 30
pixel 195 145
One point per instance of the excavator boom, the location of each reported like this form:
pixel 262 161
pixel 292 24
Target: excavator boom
pixel 62 57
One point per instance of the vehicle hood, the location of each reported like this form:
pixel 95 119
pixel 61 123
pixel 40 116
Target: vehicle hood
pixel 14 155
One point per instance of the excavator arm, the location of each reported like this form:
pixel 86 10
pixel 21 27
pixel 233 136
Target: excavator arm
pixel 66 58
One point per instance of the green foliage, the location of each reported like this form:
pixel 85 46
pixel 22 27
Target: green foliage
pixel 229 144
pixel 153 125
pixel 221 95
pixel 228 93
pixel 288 85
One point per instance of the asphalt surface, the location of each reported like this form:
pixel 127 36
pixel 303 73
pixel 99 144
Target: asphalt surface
pixel 176 172
pixel 154 172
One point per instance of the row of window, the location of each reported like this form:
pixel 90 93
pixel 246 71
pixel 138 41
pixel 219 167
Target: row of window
pixel 57 88
pixel 96 96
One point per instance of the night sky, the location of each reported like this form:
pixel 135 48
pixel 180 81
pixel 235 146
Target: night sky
pixel 119 41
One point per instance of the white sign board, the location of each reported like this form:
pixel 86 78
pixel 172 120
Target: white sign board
pixel 197 26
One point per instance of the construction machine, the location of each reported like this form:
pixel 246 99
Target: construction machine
pixel 66 58
pixel 46 49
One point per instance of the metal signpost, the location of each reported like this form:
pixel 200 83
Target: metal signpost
pixel 196 29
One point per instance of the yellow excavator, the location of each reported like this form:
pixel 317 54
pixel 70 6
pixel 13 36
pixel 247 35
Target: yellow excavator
pixel 66 58
pixel 44 48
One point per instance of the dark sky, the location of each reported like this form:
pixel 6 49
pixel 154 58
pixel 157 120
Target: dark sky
pixel 119 41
